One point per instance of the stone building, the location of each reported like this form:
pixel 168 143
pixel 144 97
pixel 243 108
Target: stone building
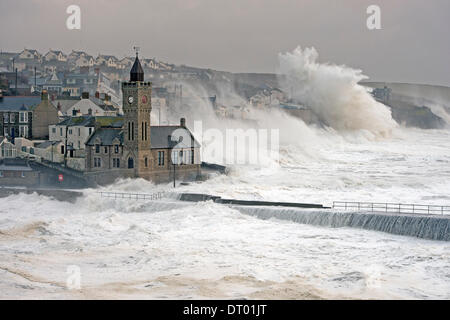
pixel 44 115
pixel 138 149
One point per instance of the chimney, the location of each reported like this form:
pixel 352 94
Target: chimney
pixel 97 94
pixel 85 95
pixel 183 122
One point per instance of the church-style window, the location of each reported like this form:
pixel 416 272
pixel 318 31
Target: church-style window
pixel 142 129
pixel 97 148
pixel 146 162
pixel 130 163
pixel 97 162
pixel 116 148
pixel 145 131
pixel 160 158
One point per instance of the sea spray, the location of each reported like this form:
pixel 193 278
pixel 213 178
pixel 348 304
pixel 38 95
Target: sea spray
pixel 333 93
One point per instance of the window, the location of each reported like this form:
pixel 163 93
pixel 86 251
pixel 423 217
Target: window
pixel 6 130
pixel 142 129
pixel 22 131
pixel 146 131
pixel 146 162
pixel 129 131
pixel 116 163
pixel 1 174
pixel 192 156
pixel 90 111
pixel 116 148
pixel 79 132
pixel 60 131
pixel 74 112
pixel 186 157
pixel 90 131
pixel 6 117
pixel 79 145
pixel 97 148
pixel 174 157
pixel 97 162
pixel 62 149
pixel 22 117
pixel 130 163
pixel 181 157
pixel 70 131
pixel 12 118
pixel 160 158
pixel 53 130
pixel 106 149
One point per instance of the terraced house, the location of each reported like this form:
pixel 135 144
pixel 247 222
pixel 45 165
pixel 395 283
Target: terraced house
pixel 16 116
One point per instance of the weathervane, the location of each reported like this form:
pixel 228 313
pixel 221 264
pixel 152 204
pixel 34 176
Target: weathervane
pixel 137 50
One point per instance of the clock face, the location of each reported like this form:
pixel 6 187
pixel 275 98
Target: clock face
pixel 130 99
pixel 144 99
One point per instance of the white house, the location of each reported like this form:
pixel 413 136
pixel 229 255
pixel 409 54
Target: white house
pixel 76 129
pixel 29 54
pixel 55 55
pixel 7 149
pixel 110 61
pixel 84 61
pixel 91 107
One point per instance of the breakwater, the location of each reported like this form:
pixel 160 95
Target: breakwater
pixel 433 227
pixel 58 194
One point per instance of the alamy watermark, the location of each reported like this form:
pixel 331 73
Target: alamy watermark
pixel 73 22
pixel 73 281
pixel 374 20
pixel 249 146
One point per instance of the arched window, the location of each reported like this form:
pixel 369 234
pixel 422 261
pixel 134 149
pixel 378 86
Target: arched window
pixel 146 162
pixel 130 163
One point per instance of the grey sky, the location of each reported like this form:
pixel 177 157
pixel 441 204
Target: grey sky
pixel 244 35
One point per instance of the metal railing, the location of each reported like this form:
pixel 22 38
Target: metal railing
pixel 392 207
pixel 134 196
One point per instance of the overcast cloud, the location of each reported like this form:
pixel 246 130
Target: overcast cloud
pixel 244 35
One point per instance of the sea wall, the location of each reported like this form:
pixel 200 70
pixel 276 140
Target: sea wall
pixel 60 195
pixel 433 227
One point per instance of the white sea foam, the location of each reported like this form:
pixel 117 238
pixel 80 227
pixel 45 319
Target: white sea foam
pixel 333 93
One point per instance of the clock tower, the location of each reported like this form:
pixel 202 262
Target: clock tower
pixel 136 107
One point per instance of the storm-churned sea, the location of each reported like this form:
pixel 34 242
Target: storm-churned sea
pixel 172 249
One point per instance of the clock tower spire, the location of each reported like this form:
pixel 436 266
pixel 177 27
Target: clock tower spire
pixel 136 105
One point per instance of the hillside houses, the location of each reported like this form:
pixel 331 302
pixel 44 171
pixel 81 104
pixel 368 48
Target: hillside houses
pixel 108 61
pixel 55 55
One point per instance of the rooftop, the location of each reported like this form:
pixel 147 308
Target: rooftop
pixel 18 103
